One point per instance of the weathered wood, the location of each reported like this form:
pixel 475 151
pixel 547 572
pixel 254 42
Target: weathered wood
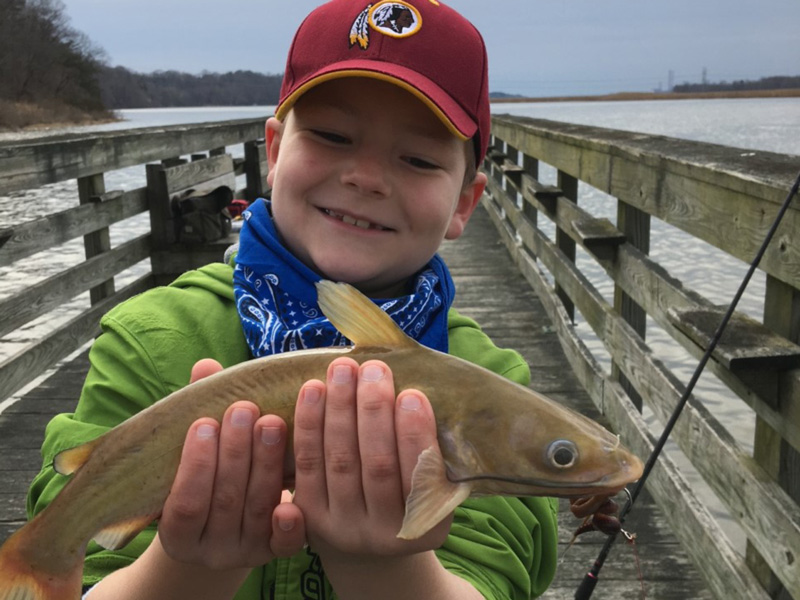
pixel 653 289
pixel 531 166
pixel 696 528
pixel 255 168
pixel 201 175
pixel 635 225
pixel 36 300
pixel 90 191
pixel 658 292
pixel 714 453
pixel 40 234
pixel 774 454
pixel 712 193
pixel 28 364
pixel 57 158
pixel 745 343
pixel 703 189
pixel 598 236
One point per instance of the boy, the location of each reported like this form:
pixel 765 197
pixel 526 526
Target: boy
pixel 372 155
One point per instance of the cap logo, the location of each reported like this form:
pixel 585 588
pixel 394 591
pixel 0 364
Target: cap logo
pixel 389 17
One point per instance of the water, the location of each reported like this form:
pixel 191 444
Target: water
pixel 751 124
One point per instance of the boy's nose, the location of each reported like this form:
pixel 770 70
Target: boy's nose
pixel 368 173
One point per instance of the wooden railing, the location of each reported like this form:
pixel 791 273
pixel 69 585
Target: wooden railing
pixel 88 158
pixel 725 197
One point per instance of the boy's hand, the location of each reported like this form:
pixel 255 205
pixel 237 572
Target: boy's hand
pixel 356 446
pixel 225 508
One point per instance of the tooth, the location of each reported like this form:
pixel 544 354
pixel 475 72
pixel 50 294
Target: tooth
pixel 348 220
pixel 362 224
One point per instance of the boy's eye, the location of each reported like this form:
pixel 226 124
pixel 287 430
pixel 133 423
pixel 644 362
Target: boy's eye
pixel 421 163
pixel 329 136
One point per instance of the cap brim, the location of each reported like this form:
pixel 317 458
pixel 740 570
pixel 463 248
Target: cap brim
pixel 435 98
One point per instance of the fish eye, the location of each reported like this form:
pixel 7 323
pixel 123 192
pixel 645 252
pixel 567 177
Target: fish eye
pixel 562 454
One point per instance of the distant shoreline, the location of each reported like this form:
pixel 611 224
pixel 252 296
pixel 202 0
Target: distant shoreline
pixel 628 96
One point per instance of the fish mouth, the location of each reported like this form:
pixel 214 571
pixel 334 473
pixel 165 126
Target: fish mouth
pixel 605 485
pixel 355 221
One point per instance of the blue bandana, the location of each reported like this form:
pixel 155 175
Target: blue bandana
pixel 277 300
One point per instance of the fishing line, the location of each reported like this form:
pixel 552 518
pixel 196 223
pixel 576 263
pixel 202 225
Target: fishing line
pixel 590 580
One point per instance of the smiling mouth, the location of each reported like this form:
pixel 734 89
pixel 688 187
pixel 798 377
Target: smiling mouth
pixel 361 224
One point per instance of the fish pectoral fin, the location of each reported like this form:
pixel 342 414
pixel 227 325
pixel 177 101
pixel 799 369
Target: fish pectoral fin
pixel 358 318
pixel 119 535
pixel 432 496
pixel 67 462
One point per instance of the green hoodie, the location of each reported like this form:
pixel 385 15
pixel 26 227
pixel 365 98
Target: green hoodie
pixel 505 547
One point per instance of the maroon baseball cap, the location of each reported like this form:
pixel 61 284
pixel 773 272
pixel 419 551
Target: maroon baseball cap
pixel 423 46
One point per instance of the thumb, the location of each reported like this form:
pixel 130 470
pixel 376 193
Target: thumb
pixel 203 368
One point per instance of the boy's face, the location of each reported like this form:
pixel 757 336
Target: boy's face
pixel 367 182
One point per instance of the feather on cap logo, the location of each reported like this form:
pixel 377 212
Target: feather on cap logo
pixel 392 18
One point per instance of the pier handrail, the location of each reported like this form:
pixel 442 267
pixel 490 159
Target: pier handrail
pixel 88 158
pixel 726 197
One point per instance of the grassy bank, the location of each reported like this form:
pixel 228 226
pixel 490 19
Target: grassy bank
pixel 622 96
pixel 15 116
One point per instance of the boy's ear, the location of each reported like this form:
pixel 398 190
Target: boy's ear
pixel 467 201
pixel 273 132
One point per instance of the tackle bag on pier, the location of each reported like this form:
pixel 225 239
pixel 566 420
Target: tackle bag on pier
pixel 202 218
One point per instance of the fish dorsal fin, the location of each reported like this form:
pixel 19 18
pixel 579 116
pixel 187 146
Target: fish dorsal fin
pixel 67 462
pixel 432 496
pixel 119 535
pixel 359 318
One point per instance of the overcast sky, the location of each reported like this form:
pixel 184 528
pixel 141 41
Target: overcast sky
pixel 536 48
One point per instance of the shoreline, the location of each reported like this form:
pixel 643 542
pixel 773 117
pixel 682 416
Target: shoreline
pixel 629 96
pixel 88 119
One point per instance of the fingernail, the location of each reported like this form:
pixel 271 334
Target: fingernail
pixel 271 435
pixel 205 432
pixel 342 374
pixel 372 373
pixel 286 524
pixel 241 417
pixel 311 395
pixel 410 402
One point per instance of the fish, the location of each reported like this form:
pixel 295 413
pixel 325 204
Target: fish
pixel 496 437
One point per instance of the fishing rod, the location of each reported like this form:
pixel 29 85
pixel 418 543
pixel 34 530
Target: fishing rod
pixel 590 580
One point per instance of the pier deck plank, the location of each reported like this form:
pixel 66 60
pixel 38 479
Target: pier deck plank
pixel 492 291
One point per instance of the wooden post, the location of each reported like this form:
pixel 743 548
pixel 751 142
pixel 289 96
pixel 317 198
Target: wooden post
pixel 90 189
pixel 531 167
pixel 252 169
pixel 569 188
pixel 635 225
pixel 774 454
pixel 497 149
pixel 162 227
pixel 514 177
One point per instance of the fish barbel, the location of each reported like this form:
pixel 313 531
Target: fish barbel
pixel 496 438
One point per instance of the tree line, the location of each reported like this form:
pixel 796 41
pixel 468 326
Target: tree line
pixel 122 88
pixel 765 83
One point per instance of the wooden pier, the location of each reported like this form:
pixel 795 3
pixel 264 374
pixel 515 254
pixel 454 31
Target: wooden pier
pixel 524 290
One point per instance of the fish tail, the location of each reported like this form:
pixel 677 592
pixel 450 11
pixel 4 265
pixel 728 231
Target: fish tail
pixel 22 579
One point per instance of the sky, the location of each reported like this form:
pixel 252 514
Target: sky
pixel 536 48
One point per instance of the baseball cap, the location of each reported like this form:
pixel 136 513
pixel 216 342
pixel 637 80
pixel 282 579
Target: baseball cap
pixel 423 46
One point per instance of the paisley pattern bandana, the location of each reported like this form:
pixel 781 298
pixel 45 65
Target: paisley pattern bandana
pixel 277 300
